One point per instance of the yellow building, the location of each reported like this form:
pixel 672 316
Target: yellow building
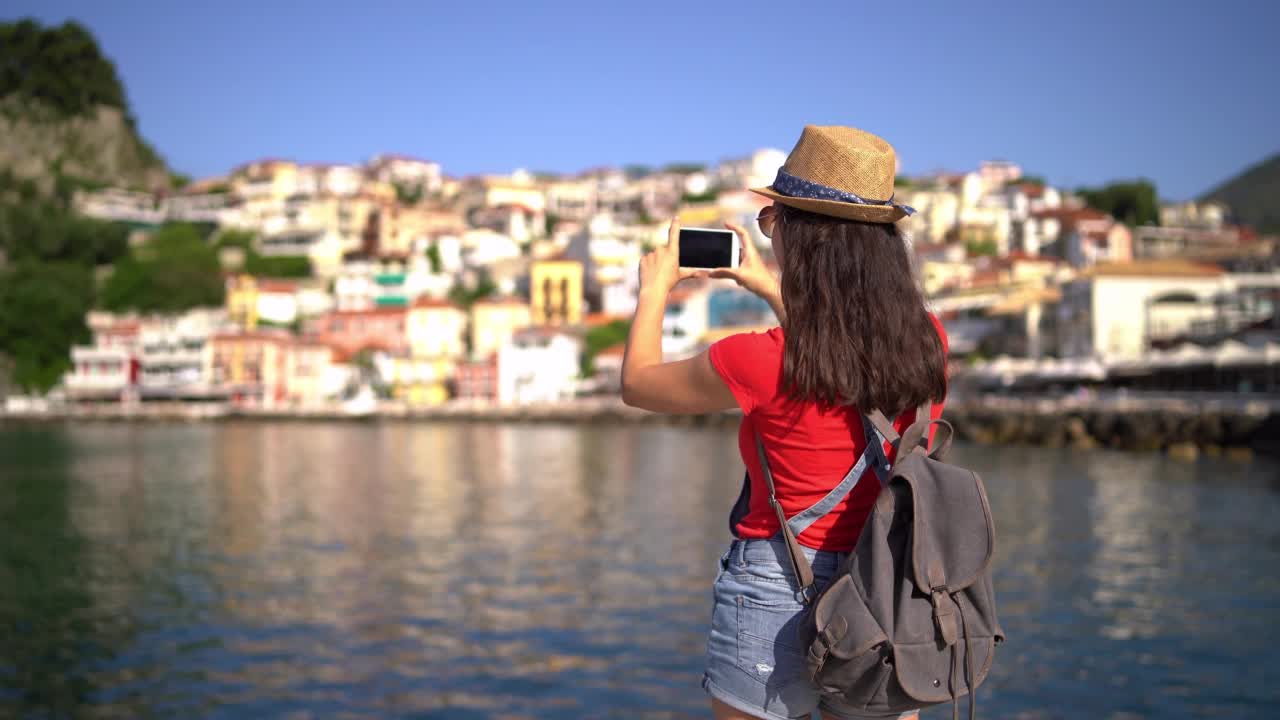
pixel 398 226
pixel 242 301
pixel 555 292
pixel 269 178
pixel 494 321
pixel 306 369
pixel 435 330
pixel 251 367
pixel 419 382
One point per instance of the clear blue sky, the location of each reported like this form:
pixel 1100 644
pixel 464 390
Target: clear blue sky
pixel 1081 92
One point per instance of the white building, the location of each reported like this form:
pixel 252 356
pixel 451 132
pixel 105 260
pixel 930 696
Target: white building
pixel 1191 214
pixel 152 357
pixel 202 207
pixel 176 356
pixel 485 247
pixel 538 365
pixel 366 284
pixel 323 248
pixel 996 174
pixel 571 199
pixel 277 301
pixel 405 170
pixel 120 206
pixel 610 254
pixel 685 320
pixel 755 170
pixel 937 212
pixel 107 368
pixel 1116 310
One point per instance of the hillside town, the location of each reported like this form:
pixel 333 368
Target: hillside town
pixel 424 290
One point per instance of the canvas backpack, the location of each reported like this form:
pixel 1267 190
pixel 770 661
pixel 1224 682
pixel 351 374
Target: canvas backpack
pixel 910 619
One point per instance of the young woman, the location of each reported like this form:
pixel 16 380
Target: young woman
pixel 854 336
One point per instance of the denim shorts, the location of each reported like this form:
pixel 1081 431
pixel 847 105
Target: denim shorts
pixel 755 657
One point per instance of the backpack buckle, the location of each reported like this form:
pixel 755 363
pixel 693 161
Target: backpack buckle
pixel 806 594
pixel 944 616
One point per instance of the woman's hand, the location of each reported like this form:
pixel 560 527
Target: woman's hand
pixel 660 269
pixel 751 272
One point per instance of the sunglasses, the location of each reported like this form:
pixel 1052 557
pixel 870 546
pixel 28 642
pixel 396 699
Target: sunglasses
pixel 766 219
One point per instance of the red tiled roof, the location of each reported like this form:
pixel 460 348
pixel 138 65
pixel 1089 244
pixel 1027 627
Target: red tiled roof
pixel 277 285
pixel 369 312
pixel 1155 268
pixel 985 277
pixel 1031 190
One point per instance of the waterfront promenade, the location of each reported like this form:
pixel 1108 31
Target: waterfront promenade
pixel 1185 424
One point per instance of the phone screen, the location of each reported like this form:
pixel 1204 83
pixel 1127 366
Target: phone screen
pixel 706 248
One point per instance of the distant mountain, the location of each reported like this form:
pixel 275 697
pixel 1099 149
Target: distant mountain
pixel 64 117
pixel 1253 195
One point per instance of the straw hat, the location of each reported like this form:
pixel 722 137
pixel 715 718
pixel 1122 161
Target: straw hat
pixel 839 171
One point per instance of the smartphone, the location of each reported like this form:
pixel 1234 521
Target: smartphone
pixel 707 248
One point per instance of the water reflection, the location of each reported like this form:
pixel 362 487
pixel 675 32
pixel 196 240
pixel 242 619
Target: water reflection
pixel 545 572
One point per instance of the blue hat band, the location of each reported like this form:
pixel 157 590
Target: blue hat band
pixel 791 186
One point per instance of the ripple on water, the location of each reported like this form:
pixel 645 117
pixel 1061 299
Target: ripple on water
pixel 485 571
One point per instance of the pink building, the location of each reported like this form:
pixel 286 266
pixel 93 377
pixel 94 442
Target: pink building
pixel 478 380
pixel 1081 236
pixel 350 331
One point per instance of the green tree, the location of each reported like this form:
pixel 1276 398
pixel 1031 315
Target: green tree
pixel 174 270
pixel 684 168
pixel 702 197
pixel 61 67
pixel 408 194
pixel 42 313
pixel 600 337
pixel 979 247
pixel 433 257
pixel 35 230
pixel 288 266
pixel 465 296
pixel 260 265
pixel 1029 180
pixel 1133 203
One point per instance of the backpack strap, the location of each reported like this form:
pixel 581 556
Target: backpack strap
pixel 872 456
pixel 799 563
pixel 883 426
pixel 918 433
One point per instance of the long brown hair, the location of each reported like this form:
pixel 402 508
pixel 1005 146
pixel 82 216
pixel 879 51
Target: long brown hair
pixel 857 331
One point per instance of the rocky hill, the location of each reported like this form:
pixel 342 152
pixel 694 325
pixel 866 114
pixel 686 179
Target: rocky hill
pixel 64 116
pixel 1253 195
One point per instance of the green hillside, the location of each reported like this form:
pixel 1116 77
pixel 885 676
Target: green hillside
pixel 1253 195
pixel 65 124
pixel 64 114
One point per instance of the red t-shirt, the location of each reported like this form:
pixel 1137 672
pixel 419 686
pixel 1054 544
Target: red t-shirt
pixel 809 448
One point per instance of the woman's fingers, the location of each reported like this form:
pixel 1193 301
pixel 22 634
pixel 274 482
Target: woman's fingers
pixel 749 253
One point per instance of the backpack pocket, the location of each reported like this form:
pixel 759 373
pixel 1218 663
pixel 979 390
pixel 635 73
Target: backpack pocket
pixel 849 656
pixel 927 674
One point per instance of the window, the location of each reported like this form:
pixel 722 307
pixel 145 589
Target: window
pixel 546 299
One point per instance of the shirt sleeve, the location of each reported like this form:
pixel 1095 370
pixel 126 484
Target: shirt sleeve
pixel 747 364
